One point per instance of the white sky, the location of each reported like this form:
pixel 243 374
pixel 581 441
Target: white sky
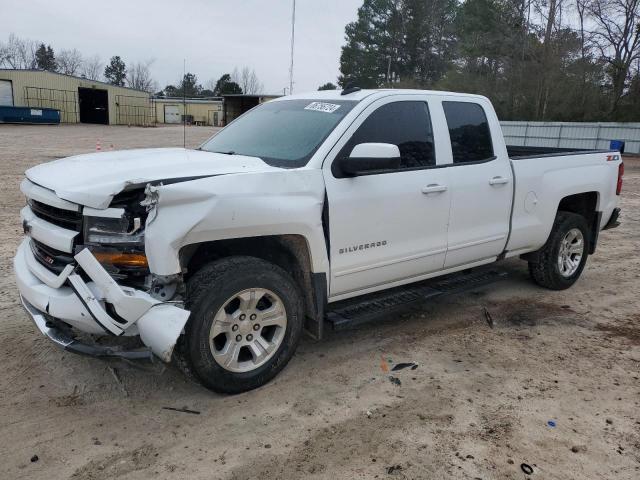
pixel 213 36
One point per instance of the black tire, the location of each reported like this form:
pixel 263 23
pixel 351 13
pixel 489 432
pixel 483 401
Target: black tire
pixel 544 270
pixel 207 291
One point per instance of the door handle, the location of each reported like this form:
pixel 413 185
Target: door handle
pixel 498 181
pixel 434 188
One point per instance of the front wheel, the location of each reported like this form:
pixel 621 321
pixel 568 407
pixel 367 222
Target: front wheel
pixel 561 260
pixel 245 324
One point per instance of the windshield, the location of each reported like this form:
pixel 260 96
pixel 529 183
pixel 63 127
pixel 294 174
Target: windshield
pixel 283 133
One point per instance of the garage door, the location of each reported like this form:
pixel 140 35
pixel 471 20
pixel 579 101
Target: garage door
pixel 6 93
pixel 172 114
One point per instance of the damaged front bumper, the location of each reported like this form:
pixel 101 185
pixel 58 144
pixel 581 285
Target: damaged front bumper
pixel 88 299
pixel 64 339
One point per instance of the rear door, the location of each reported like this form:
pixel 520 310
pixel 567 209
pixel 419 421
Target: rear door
pixel 481 184
pixel 389 227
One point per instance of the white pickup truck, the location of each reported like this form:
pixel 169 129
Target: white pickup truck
pixel 223 255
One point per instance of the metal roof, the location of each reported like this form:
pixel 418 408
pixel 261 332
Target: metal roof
pixel 187 100
pixel 35 70
pixel 250 95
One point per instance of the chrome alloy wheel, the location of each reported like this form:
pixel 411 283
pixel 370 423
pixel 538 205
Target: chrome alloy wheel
pixel 571 251
pixel 247 330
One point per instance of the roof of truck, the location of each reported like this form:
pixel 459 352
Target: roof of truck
pixel 361 94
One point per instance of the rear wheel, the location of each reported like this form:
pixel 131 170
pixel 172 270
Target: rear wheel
pixel 245 324
pixel 561 260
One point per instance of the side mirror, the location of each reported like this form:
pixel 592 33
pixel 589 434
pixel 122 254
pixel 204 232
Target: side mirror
pixel 369 157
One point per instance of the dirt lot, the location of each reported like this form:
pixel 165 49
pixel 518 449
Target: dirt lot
pixel 477 406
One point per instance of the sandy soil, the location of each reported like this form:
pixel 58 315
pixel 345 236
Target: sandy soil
pixel 477 406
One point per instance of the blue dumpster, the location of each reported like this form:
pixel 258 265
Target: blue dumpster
pixel 617 145
pixel 29 115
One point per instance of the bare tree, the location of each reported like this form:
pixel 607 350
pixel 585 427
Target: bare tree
pixel 548 54
pixel 210 84
pixel 92 68
pixel 139 76
pixel 69 62
pixel 617 38
pixel 18 53
pixel 248 80
pixel 581 9
pixel 235 76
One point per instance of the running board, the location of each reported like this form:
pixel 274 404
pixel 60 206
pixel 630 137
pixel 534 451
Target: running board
pixel 347 313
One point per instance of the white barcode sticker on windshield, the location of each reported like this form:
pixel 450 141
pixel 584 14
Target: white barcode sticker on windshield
pixel 322 107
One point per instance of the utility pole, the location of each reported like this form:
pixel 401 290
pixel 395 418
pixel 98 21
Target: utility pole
pixel 293 32
pixel 184 104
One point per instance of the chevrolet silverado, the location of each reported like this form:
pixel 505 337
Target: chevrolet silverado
pixel 220 257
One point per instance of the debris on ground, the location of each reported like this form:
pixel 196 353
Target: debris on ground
pixel 393 469
pixel 526 468
pixel 182 410
pixel 395 380
pixel 34 458
pixel 116 375
pixel 383 365
pixel 579 448
pixel 488 317
pixel 402 366
pixel 551 423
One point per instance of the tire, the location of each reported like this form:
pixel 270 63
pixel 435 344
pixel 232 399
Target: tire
pixel 546 270
pixel 235 283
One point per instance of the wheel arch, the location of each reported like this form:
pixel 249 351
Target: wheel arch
pixel 586 205
pixel 290 252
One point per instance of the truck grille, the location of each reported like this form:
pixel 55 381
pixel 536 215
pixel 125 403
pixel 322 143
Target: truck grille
pixel 63 218
pixel 52 259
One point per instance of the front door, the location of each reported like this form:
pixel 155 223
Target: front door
pixel 388 227
pixel 481 186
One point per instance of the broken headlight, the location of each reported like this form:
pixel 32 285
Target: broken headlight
pixel 124 230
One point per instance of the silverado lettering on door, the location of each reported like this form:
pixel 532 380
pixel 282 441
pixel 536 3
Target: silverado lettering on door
pixel 363 246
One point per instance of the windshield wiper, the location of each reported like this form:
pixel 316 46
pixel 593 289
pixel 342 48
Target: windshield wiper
pixel 230 152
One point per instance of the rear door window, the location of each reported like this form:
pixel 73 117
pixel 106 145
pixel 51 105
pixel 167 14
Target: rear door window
pixel 469 132
pixel 405 124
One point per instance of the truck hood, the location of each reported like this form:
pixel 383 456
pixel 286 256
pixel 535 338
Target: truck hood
pixel 93 179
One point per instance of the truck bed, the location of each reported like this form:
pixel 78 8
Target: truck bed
pixel 517 152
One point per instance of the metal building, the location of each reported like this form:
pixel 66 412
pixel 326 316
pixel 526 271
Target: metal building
pixel 238 103
pixel 196 111
pixel 587 135
pixel 79 100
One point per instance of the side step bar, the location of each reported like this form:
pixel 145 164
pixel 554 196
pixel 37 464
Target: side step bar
pixel 347 313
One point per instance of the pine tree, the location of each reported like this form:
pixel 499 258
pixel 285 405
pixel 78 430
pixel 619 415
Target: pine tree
pixel 45 58
pixel 116 71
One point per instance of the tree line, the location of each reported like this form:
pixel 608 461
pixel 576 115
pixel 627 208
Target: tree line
pixel 20 53
pixel 565 60
pixel 239 81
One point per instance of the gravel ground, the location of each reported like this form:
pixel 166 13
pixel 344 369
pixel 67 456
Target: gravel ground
pixel 477 406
